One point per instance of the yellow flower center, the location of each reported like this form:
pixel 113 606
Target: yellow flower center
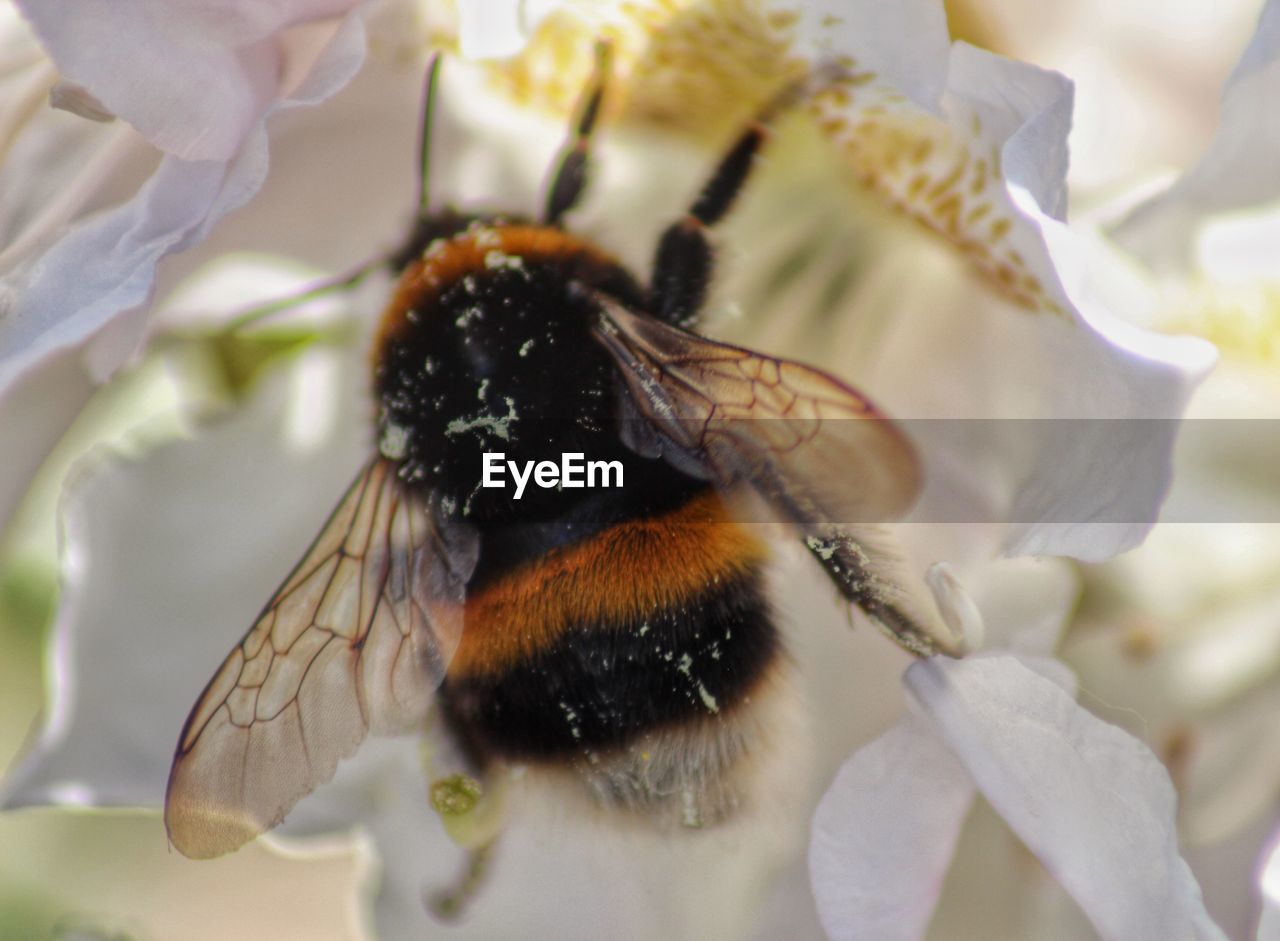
pixel 1242 320
pixel 696 67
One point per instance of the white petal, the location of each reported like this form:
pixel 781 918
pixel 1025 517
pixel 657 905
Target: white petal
pixel 1117 55
pixel 114 255
pixel 1132 385
pixel 167 561
pixel 101 272
pixel 86 296
pixel 1118 377
pixel 884 833
pixel 1059 348
pixel 904 42
pixel 1090 801
pixel 1026 604
pixel 1237 171
pixel 194 78
pixel 1025 111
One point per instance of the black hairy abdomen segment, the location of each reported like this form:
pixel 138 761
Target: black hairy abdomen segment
pixel 601 686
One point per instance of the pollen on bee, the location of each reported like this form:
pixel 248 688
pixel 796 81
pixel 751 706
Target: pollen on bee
pixel 394 443
pixel 495 258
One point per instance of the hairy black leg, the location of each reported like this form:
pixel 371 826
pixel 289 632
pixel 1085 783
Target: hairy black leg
pixel 570 179
pixel 684 260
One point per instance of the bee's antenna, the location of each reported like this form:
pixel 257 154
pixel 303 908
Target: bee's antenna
pixel 424 134
pixel 571 168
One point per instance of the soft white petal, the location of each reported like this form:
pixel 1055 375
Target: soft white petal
pixel 114 256
pixel 1132 385
pixel 1119 377
pixel 49 153
pixel 166 563
pixel 1058 347
pixel 1143 64
pixel 1237 171
pixel 1023 110
pixel 1026 604
pixel 193 77
pixel 904 42
pixel 85 298
pixel 1091 802
pixel 884 833
pixel 105 266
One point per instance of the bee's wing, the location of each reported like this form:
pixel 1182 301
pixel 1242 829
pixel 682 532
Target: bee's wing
pixel 355 641
pixel 816 449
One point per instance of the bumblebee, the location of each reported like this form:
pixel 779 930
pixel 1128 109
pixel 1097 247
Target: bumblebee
pixel 621 633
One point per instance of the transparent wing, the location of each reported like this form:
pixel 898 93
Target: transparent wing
pixel 355 641
pixel 816 449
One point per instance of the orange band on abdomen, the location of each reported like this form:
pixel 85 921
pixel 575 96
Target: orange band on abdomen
pixel 612 579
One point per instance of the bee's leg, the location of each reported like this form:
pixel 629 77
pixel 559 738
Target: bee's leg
pixel 570 178
pixel 685 259
pixel 860 573
pixel 473 815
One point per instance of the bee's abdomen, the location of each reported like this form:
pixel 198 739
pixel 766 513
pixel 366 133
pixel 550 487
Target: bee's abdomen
pixel 651 623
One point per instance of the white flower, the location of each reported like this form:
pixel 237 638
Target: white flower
pixel 199 83
pixel 1236 172
pixel 1179 639
pixel 930 134
pixel 1001 312
pixel 1091 802
pixel 1129 125
pixel 1185 658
